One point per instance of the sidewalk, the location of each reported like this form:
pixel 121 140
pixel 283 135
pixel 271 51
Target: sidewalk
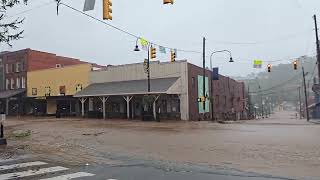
pixel 315 121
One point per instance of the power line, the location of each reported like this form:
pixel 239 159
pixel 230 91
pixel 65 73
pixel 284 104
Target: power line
pixel 124 31
pixel 31 9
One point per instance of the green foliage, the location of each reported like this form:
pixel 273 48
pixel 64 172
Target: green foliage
pixel 9 30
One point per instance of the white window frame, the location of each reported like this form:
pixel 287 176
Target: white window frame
pixel 12 83
pixel 7 84
pixel 23 82
pixel 7 68
pixel 17 67
pixel 18 83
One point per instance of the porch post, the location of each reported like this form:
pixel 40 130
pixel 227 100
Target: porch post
pixel 132 108
pixel 104 107
pixel 128 99
pixel 82 100
pixel 154 107
pixel 104 100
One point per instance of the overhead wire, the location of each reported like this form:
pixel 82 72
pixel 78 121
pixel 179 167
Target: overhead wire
pixel 31 9
pixel 124 31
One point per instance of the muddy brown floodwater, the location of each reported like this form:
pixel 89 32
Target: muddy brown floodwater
pixel 281 145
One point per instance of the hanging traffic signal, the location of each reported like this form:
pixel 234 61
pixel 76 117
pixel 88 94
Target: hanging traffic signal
pixel 295 65
pixel 173 56
pixel 167 1
pixel 107 10
pixel 153 53
pixel 269 67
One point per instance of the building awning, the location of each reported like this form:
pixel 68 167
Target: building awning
pixel 313 105
pixel 10 93
pixel 135 87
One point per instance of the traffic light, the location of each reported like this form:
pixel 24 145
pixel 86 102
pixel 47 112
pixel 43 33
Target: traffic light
pixel 173 56
pixel 107 10
pixel 295 65
pixel 167 1
pixel 201 99
pixel 269 67
pixel 153 53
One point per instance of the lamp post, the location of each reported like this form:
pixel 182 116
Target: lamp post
pixel 231 60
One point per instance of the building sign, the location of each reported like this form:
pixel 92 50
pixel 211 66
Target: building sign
pixel 62 90
pixel 47 91
pixel 34 92
pixel 79 88
pixel 200 94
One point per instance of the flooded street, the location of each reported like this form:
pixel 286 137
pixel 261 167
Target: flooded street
pixel 280 145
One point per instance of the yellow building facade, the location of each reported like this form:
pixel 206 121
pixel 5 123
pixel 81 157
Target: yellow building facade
pixel 54 83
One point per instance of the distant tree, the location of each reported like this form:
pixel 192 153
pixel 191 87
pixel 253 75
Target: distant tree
pixel 10 30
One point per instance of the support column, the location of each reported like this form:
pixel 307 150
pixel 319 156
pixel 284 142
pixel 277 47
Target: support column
pixel 82 100
pixel 132 108
pixel 154 107
pixel 104 100
pixel 128 99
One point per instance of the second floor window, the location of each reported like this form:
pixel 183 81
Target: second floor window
pixel 7 68
pixel 12 83
pixel 12 68
pixel 7 84
pixel 18 66
pixel 23 82
pixel 18 83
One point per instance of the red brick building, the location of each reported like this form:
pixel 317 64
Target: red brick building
pixel 14 68
pixel 229 98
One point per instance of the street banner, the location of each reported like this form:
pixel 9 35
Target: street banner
pixel 89 5
pixel 215 74
pixel 144 44
pixel 257 63
pixel 162 49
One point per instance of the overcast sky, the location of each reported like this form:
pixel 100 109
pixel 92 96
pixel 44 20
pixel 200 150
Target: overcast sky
pixel 264 29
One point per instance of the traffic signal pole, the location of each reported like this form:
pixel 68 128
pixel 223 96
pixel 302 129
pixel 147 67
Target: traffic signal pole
pixel 204 76
pixel 305 93
pixel 299 89
pixel 148 64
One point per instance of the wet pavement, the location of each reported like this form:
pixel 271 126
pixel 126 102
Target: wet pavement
pixel 280 146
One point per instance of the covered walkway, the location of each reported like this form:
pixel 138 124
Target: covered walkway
pixel 130 99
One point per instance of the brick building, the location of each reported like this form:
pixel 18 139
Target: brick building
pixel 14 68
pixel 229 98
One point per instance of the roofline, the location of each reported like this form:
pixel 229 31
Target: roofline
pixel 120 94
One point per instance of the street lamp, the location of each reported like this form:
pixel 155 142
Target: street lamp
pixel 137 47
pixel 230 60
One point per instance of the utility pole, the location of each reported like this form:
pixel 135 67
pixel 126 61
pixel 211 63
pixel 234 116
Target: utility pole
pixel 318 46
pixel 249 101
pixel 305 93
pixel 204 76
pixel 299 89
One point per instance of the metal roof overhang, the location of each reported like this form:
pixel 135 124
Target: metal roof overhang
pixel 134 87
pixel 10 93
